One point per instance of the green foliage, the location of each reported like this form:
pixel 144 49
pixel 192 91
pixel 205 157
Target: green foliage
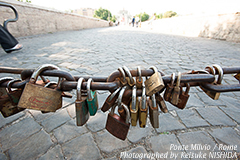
pixel 143 16
pixel 113 19
pixel 169 14
pixel 160 16
pixel 25 1
pixel 102 14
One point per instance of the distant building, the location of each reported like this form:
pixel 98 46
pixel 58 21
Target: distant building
pixel 85 11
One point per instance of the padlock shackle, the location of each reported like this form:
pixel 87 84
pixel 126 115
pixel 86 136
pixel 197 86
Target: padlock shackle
pixel 4 79
pixel 79 86
pixel 173 77
pixel 187 89
pixel 179 79
pixel 121 71
pixel 220 73
pixel 129 74
pixel 139 74
pixel 153 99
pixel 154 69
pixel 41 68
pixel 114 94
pixel 210 70
pixel 119 100
pixel 134 97
pixel 9 84
pixel 89 88
pixel 128 117
pixel 144 97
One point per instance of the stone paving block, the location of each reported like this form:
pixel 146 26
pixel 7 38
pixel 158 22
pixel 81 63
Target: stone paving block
pixel 233 113
pixel 3 156
pixel 230 102
pixel 193 101
pixel 82 147
pixel 135 153
pixel 191 119
pixel 39 116
pixel 226 136
pixel 215 116
pixel 34 146
pixel 108 143
pixel 53 154
pixel 55 120
pixel 71 110
pixel 168 123
pixel 102 98
pixel 97 122
pixel 20 131
pixel 135 133
pixel 197 142
pixel 4 121
pixel 161 144
pixel 68 131
pixel 209 101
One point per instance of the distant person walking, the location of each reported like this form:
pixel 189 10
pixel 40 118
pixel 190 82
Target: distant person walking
pixel 133 21
pixel 7 41
pixel 137 20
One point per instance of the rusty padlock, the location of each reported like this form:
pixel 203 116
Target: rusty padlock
pixel 183 97
pixel 139 79
pixel 116 125
pixel 39 97
pixel 110 101
pixel 161 103
pixel 134 107
pixel 130 78
pixel 176 91
pixel 155 83
pixel 169 88
pixel 123 79
pixel 143 108
pixel 153 112
pixel 82 114
pixel 8 103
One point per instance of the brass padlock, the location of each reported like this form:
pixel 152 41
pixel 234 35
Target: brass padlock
pixel 176 91
pixel 82 114
pixel 109 102
pixel 155 83
pixel 153 112
pixel 130 79
pixel 8 103
pixel 183 98
pixel 212 94
pixel 116 125
pixel 92 99
pixel 39 97
pixel 139 79
pixel 134 107
pixel 3 90
pixel 169 88
pixel 161 103
pixel 143 108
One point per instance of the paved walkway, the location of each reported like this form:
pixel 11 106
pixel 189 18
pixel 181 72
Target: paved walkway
pixel 203 126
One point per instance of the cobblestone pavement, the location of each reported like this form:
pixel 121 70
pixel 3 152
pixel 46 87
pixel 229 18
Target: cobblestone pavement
pixel 99 52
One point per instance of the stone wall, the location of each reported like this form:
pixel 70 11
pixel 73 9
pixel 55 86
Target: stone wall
pixel 38 20
pixel 223 27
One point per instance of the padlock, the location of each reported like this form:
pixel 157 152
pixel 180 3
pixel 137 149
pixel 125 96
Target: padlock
pixel 155 83
pixel 153 111
pixel 92 99
pixel 109 102
pixel 161 103
pixel 116 125
pixel 134 107
pixel 139 79
pixel 143 108
pixel 176 91
pixel 183 98
pixel 8 103
pixel 3 90
pixel 237 76
pixel 169 88
pixel 82 114
pixel 130 78
pixel 38 97
pixel 123 79
pixel 121 110
pixel 212 94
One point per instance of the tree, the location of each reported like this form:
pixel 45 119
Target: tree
pixel 169 14
pixel 160 16
pixel 25 0
pixel 102 14
pixel 144 16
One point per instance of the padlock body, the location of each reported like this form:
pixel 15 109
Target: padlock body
pixel 168 92
pixel 161 103
pixel 92 103
pixel 143 115
pixel 134 113
pixel 82 114
pixel 117 126
pixel 108 104
pixel 154 115
pixel 211 94
pixel 182 101
pixel 138 83
pixel 175 95
pixel 3 91
pixel 40 98
pixel 154 84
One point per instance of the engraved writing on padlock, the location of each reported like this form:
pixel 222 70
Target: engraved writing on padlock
pixel 161 103
pixel 143 109
pixel 153 112
pixel 212 94
pixel 176 91
pixel 40 98
pixel 8 103
pixel 183 98
pixel 82 114
pixel 134 107
pixel 109 102
pixel 92 99
pixel 155 83
pixel 169 88
pixel 116 125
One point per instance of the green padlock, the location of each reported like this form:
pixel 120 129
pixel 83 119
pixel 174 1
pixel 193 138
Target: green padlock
pixel 92 100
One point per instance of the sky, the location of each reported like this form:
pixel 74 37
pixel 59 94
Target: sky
pixel 182 7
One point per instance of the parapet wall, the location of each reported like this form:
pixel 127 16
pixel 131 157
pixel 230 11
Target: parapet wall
pixel 223 27
pixel 39 20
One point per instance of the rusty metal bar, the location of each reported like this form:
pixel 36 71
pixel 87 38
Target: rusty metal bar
pixel 221 88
